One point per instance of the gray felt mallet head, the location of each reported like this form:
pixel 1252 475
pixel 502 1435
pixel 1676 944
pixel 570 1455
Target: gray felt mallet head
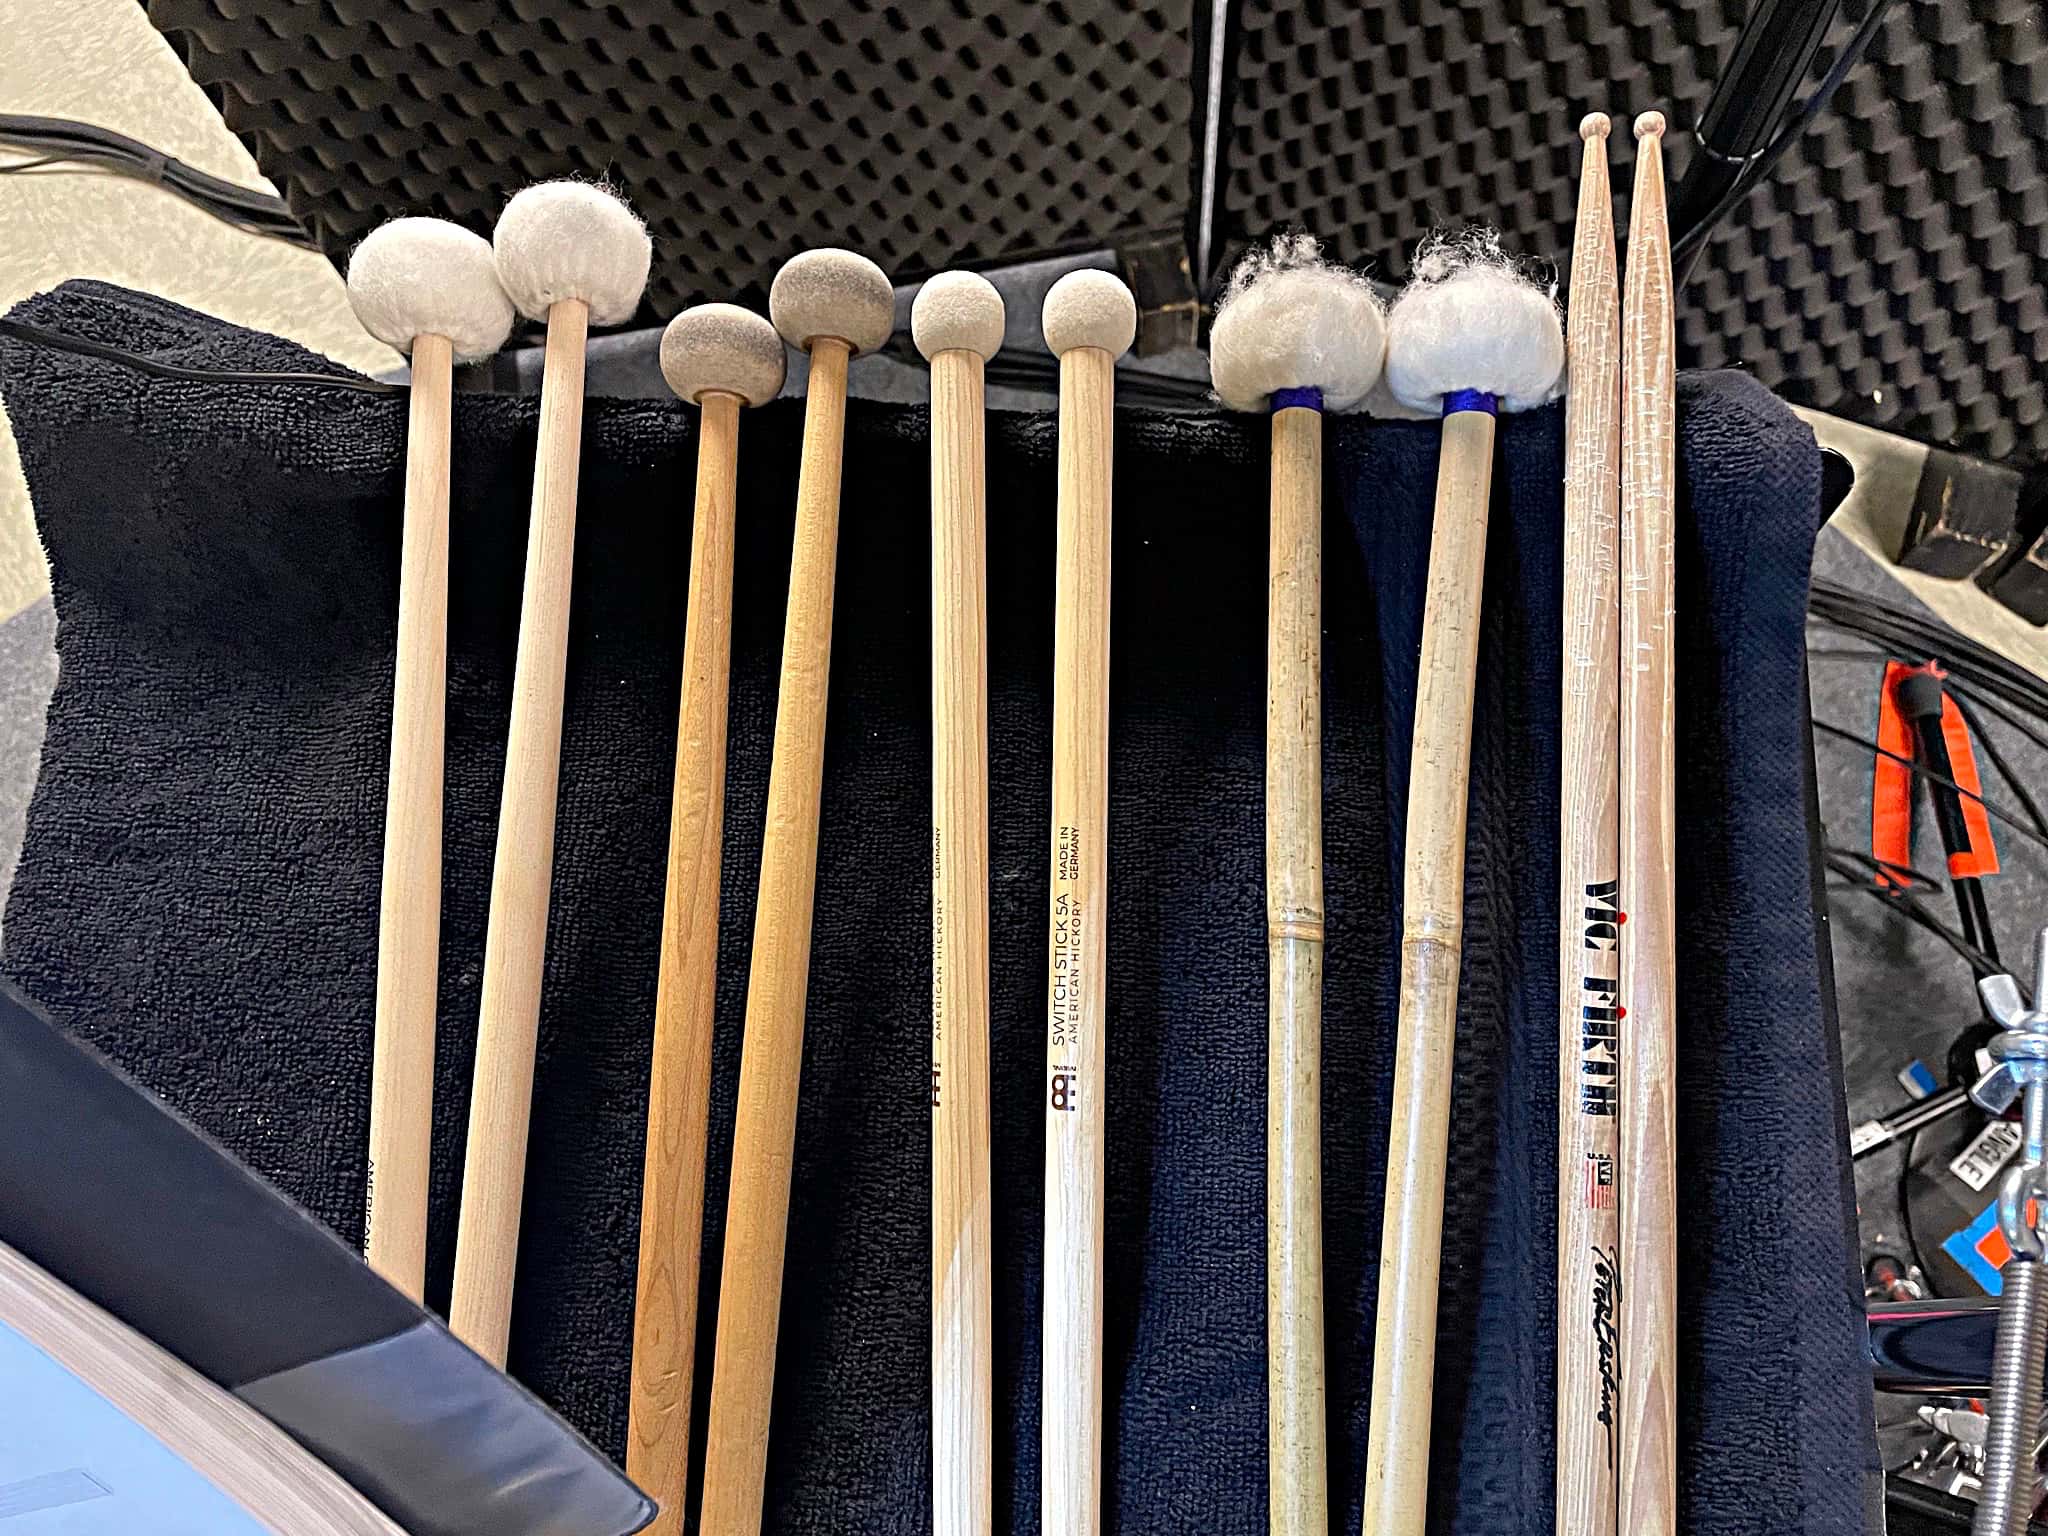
pixel 832 293
pixel 957 312
pixel 427 277
pixel 723 349
pixel 1089 308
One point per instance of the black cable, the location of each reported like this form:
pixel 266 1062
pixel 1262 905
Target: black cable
pixel 1767 159
pixel 1845 862
pixel 1992 808
pixel 59 139
pixel 1859 613
pixel 57 341
pixel 1998 759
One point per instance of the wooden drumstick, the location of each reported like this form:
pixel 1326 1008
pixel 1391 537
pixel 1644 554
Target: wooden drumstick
pixel 428 288
pixel 1468 336
pixel 718 357
pixel 1296 337
pixel 1589 904
pixel 574 256
pixel 957 323
pixel 1089 321
pixel 833 305
pixel 1648 1461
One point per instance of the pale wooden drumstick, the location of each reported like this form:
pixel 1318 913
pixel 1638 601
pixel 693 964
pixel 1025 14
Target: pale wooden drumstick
pixel 1648 1452
pixel 957 323
pixel 431 289
pixel 1469 336
pixel 1296 337
pixel 720 358
pixel 1588 933
pixel 1089 321
pixel 572 255
pixel 833 305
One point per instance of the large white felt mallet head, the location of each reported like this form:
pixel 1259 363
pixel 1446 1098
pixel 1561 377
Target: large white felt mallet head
pixel 565 240
pixel 1291 329
pixel 1471 332
pixel 427 277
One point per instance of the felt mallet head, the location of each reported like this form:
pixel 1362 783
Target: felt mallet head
pixel 570 240
pixel 1289 320
pixel 427 277
pixel 833 293
pixel 1471 322
pixel 1089 308
pixel 957 312
pixel 721 348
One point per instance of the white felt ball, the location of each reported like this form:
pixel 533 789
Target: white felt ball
pixel 957 312
pixel 832 293
pixel 721 347
pixel 1289 320
pixel 427 277
pixel 570 240
pixel 1469 320
pixel 1089 308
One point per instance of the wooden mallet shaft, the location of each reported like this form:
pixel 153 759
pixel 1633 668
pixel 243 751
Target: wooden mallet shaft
pixel 679 1082
pixel 963 1367
pixel 1296 1426
pixel 515 941
pixel 1589 914
pixel 409 917
pixel 1077 982
pixel 771 1060
pixel 1648 1460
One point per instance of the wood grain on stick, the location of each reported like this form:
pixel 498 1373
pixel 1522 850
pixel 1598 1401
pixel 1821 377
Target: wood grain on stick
pixel 1296 1425
pixel 771 1059
pixel 1588 1257
pixel 1648 1456
pixel 515 940
pixel 409 918
pixel 1432 933
pixel 280 1484
pixel 1077 980
pixel 963 1362
pixel 685 999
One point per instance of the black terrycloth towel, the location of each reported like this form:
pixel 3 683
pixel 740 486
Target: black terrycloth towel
pixel 205 841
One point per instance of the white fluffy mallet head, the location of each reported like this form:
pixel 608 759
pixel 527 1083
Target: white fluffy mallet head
pixel 1089 308
pixel 722 349
pixel 570 240
pixel 831 292
pixel 1291 321
pixel 427 277
pixel 1469 321
pixel 957 312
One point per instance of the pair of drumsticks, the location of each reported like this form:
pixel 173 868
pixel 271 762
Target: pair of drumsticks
pixel 1617 1255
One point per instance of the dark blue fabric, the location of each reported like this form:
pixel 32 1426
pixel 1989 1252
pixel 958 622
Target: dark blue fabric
pixel 206 835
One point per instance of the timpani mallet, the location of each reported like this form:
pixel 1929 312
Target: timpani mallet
pixel 1089 321
pixel 1296 337
pixel 1648 1461
pixel 1589 909
pixel 1468 336
pixel 719 358
pixel 430 289
pixel 572 255
pixel 957 323
pixel 834 305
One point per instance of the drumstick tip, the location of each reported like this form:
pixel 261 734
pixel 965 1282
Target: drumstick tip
pixel 1650 126
pixel 1595 125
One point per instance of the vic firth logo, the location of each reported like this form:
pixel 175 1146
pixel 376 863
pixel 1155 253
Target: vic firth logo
pixel 1600 1010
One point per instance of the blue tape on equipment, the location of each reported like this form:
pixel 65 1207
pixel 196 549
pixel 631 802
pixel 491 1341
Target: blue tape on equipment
pixel 1307 399
pixel 1980 1250
pixel 1470 400
pixel 1916 1078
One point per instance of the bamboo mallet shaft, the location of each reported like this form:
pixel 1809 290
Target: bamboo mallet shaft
pixel 1648 1460
pixel 1089 318
pixel 962 1258
pixel 1588 1259
pixel 764 1127
pixel 409 916
pixel 515 940
pixel 1296 1430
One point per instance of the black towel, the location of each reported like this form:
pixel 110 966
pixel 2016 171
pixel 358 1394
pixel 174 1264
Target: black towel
pixel 205 840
